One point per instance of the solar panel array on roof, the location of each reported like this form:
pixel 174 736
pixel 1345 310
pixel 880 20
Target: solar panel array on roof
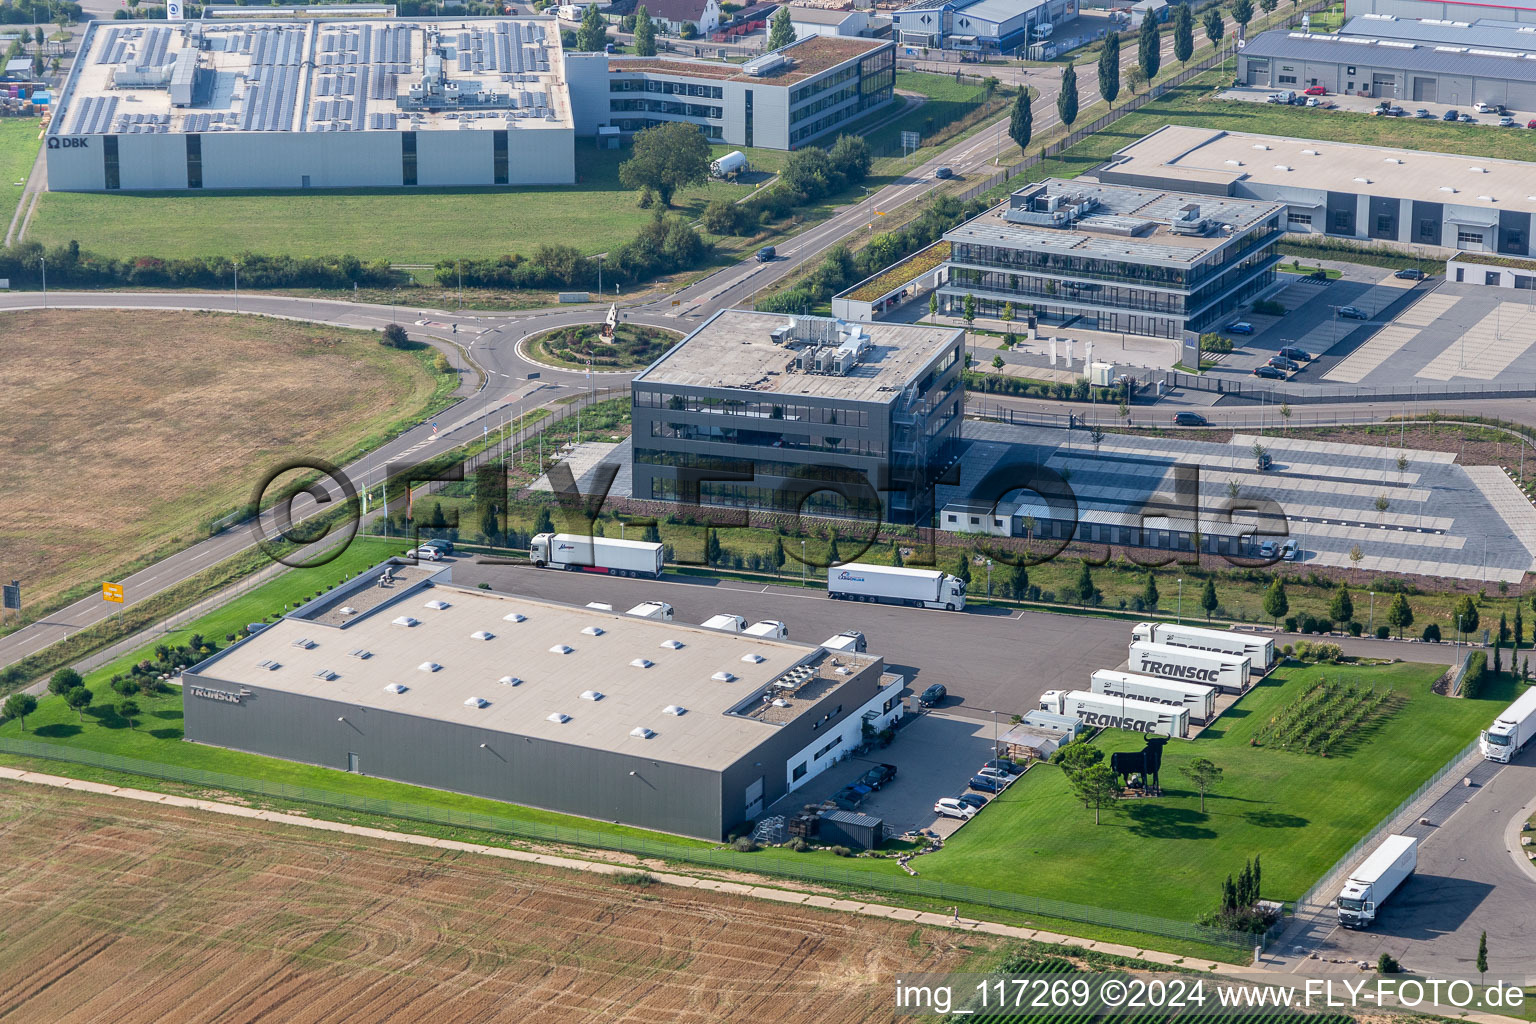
pixel 93 115
pixel 138 47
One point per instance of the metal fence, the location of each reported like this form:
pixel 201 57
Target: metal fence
pixel 801 869
pixel 1307 393
pixel 1319 893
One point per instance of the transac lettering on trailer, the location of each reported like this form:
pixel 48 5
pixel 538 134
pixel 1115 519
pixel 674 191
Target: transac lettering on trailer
pixel 1140 696
pixel 1248 650
pixel 1117 722
pixel 1169 670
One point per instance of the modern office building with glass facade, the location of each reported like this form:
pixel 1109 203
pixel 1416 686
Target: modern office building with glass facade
pixel 1114 258
pixel 785 413
pixel 785 99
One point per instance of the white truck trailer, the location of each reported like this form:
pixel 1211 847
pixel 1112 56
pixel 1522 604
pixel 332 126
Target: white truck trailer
pixel 1227 672
pixel 725 623
pixel 849 642
pixel 1200 700
pixel 1512 730
pixel 658 610
pixel 919 588
pixel 1377 878
pixel 596 554
pixel 1259 650
pixel 768 629
pixel 1101 711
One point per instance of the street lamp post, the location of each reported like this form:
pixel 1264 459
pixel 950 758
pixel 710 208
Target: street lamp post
pixel 1371 627
pixel 42 261
pixel 1180 615
pixel 989 577
pixel 236 265
pixel 803 577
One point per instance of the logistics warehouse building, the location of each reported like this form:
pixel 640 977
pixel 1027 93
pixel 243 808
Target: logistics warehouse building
pixel 1371 193
pixel 314 103
pixel 655 724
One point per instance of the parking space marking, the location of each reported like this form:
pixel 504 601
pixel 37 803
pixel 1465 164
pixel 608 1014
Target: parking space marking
pixel 1488 347
pixel 1363 361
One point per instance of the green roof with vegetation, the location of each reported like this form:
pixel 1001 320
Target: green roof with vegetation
pixel 899 274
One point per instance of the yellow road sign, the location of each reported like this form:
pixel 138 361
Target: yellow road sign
pixel 112 592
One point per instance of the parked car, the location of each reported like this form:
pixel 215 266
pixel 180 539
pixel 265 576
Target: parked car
pixel 1506 122
pixel 443 546
pixel 993 773
pixel 1269 549
pixel 1531 123
pixel 1353 313
pixel 1451 115
pixel 1239 327
pixel 1421 112
pixel 1289 549
pixel 943 172
pixel 976 800
pixel 1313 101
pixel 1410 274
pixel 1291 352
pixel 878 776
pixel 986 784
pixel 1316 90
pixel 1188 419
pixel 1282 363
pixel 1482 108
pixel 848 798
pixel 954 807
pixel 1003 764
pixel 425 554
pixel 1396 112
pixel 766 254
pixel 931 696
pixel 1468 119
pixel 1268 372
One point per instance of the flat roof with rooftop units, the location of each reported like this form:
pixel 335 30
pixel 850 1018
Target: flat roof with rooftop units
pixel 418 680
pixel 255 93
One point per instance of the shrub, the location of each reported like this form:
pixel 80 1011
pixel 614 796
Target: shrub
pixel 1327 652
pixel 1290 624
pixel 638 878
pixel 1383 632
pixel 1307 624
pixel 841 851
pixel 743 844
pixel 1477 674
pixel 1269 307
pixel 1386 965
pixel 1355 628
pixel 1432 633
pixel 798 845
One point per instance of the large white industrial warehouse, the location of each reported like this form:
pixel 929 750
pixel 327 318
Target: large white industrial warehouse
pixel 314 103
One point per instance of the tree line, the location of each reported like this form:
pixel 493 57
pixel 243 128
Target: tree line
pixel 26 262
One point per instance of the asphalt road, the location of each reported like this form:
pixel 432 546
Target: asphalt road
pixel 1470 879
pixel 990 659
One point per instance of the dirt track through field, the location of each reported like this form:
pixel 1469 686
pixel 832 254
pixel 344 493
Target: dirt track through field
pixel 130 913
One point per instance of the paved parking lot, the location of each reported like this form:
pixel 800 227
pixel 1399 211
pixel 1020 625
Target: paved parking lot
pixel 934 754
pixel 1365 104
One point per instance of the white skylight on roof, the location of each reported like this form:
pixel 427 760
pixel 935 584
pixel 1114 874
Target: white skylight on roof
pixel 558 718
pixel 642 663
pixel 594 630
pixel 673 645
pixel 514 617
pixel 561 649
pixel 404 620
pixel 437 605
pixel 510 681
pixel 591 695
pixel 481 634
pixel 753 659
pixel 641 732
pixel 429 666
pixel 477 702
pixel 674 709
pixel 723 677
pixel 396 688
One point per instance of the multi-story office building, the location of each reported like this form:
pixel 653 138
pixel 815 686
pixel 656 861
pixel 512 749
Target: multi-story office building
pixel 1114 258
pixel 785 99
pixel 1375 194
pixel 766 411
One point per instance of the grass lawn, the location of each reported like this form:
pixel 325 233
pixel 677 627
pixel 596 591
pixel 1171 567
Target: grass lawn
pixel 165 420
pixel 19 143
pixel 1300 812
pixel 632 348
pixel 400 225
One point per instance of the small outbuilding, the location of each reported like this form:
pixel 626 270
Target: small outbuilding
pixel 851 829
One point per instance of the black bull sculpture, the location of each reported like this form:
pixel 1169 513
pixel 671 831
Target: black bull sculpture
pixel 1146 763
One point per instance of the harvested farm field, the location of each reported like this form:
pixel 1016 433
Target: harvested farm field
pixel 122 911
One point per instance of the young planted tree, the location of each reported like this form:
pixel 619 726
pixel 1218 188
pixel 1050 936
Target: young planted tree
pixel 776 556
pixel 963 569
pixel 19 706
pixel 780 31
pixel 592 36
pixel 1202 773
pixel 1084 588
pixel 1183 32
pixel 968 309
pixel 1075 756
pixel 1464 615
pixel 1242 13
pixel 79 698
pixel 1066 100
pixel 1149 594
pixel 1400 614
pixel 1021 122
pixel 1342 607
pixel 1275 602
pixel 666 158
pixel 1214 27
pixel 1096 786
pixel 1109 68
pixel 64 680
pixel 1482 956
pixel 128 710
pixel 1149 51
pixel 645 33
pixel 933 303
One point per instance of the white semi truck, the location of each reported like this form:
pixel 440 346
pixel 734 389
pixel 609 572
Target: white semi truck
pixel 1259 650
pixel 1200 700
pixel 920 588
pixel 1227 672
pixel 596 554
pixel 1512 730
pixel 848 642
pixel 725 623
pixel 1377 878
pixel 1101 711
pixel 768 629
pixel 658 610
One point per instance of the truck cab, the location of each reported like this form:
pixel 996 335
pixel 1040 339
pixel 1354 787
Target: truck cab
pixel 1357 908
pixel 768 629
pixel 849 642
pixel 954 593
pixel 725 623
